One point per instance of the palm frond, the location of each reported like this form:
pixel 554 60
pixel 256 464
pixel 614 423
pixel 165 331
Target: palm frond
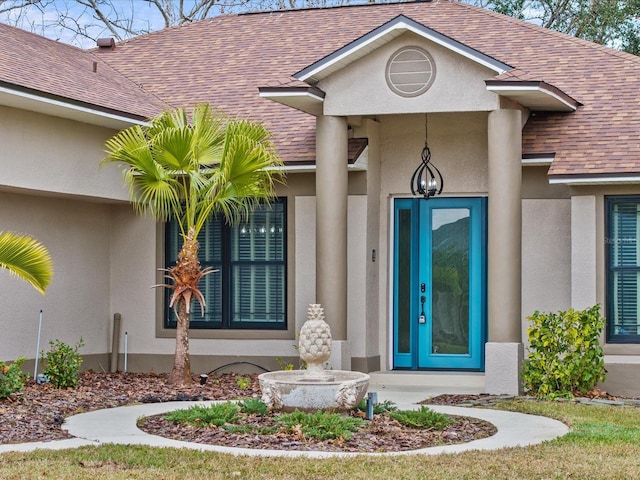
pixel 27 258
pixel 173 148
pixel 187 171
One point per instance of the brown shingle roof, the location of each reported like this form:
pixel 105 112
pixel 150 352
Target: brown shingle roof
pixel 33 63
pixel 225 59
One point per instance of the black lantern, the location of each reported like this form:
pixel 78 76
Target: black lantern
pixel 426 179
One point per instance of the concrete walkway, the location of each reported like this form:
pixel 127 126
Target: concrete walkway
pixel 118 425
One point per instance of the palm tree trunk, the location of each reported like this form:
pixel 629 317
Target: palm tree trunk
pixel 181 372
pixel 187 271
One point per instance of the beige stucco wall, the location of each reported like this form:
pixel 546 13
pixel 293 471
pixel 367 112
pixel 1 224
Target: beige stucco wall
pixel 458 143
pixel 77 303
pixel 54 155
pixel 356 257
pixel 458 86
pixel 546 256
pixel 141 238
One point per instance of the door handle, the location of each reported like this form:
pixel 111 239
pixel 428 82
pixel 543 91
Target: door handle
pixel 422 318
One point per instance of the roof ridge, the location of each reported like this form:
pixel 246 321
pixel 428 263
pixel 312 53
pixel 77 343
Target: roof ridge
pixel 343 6
pixel 225 16
pixel 22 31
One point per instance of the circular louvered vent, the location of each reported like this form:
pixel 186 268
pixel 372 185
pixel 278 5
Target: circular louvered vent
pixel 410 71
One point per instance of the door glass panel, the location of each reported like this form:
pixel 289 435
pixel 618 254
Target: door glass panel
pixel 404 281
pixel 450 277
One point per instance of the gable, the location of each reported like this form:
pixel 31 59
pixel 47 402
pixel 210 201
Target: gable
pixel 383 34
pixel 363 86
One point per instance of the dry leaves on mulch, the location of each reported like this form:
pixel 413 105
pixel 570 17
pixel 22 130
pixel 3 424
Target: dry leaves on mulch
pixel 36 413
pixel 382 434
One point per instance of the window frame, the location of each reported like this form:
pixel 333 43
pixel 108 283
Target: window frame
pixel 610 269
pixel 227 263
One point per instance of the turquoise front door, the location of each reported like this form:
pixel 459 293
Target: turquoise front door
pixel 439 283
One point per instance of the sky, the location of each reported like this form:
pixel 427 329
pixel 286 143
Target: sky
pixel 60 19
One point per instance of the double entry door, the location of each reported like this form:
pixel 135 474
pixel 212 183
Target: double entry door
pixel 439 283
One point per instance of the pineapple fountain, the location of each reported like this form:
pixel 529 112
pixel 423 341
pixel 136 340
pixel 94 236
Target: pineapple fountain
pixel 313 388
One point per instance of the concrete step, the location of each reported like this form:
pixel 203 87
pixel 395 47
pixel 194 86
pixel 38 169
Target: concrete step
pixel 418 379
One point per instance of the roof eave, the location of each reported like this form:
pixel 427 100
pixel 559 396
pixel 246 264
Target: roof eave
pixel 535 95
pixel 57 106
pixel 596 179
pixel 306 99
pixel 537 159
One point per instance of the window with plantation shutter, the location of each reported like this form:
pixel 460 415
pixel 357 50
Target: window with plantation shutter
pixel 248 290
pixel 623 268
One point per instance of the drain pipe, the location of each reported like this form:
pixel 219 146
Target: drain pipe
pixel 35 370
pixel 115 343
pixel 126 343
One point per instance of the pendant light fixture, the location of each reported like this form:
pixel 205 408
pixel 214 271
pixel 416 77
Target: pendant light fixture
pixel 426 179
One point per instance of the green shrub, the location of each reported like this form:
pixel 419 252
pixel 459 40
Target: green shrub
pixel 378 408
pixel 253 406
pixel 423 418
pixel 216 414
pixel 62 364
pixel 12 377
pixel 320 425
pixel 565 356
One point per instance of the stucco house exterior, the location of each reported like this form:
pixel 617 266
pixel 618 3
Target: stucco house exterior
pixel 535 133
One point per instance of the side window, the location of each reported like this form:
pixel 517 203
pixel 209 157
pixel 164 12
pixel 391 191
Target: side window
pixel 248 290
pixel 623 268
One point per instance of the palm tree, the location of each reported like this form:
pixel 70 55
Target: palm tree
pixel 187 172
pixel 27 258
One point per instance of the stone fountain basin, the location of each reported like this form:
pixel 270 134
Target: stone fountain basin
pixel 337 390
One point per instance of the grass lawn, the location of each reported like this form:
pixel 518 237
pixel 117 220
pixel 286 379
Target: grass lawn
pixel 604 443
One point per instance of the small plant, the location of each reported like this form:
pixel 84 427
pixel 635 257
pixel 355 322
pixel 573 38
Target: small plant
pixel 253 406
pixel 320 425
pixel 378 408
pixel 243 382
pixel 565 356
pixel 284 365
pixel 62 364
pixel 423 418
pixel 217 414
pixel 12 378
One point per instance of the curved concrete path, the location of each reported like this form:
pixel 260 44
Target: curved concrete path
pixel 118 425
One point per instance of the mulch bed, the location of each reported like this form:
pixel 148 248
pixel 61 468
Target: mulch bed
pixel 37 413
pixel 382 434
